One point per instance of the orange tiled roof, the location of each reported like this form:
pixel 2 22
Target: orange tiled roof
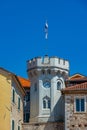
pixel 76 76
pixel 24 82
pixel 78 79
pixel 82 86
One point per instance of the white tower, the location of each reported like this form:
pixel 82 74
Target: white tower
pixel 47 76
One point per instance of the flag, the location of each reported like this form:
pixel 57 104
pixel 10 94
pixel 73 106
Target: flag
pixel 46 30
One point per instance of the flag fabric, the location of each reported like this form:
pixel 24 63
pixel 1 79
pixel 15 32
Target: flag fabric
pixel 46 30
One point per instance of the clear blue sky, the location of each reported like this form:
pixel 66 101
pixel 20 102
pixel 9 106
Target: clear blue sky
pixel 22 33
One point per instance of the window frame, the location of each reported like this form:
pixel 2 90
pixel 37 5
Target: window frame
pixel 46 103
pixel 75 109
pixel 61 84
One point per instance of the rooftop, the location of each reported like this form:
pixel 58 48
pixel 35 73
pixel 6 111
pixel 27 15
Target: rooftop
pixel 82 86
pixel 24 82
pixel 78 88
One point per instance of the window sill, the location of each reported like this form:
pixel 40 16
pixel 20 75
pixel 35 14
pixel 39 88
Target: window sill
pixel 80 112
pixel 46 109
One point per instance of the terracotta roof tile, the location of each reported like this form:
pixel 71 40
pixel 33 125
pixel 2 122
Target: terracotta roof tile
pixel 82 86
pixel 24 82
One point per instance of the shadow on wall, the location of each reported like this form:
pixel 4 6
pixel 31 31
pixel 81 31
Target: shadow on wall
pixel 57 115
pixel 55 121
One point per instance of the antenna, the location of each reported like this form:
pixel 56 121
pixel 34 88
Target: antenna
pixel 46 30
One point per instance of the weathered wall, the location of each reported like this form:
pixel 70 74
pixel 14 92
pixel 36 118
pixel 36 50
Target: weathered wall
pixel 16 114
pixel 73 120
pixel 44 126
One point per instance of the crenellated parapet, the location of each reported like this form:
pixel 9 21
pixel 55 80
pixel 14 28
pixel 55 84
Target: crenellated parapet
pixel 46 61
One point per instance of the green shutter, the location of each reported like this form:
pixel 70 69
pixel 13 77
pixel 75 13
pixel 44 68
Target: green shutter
pixel 18 103
pixel 18 127
pixel 13 96
pixel 12 124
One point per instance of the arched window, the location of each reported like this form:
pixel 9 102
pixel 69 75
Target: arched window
pixel 59 85
pixel 46 103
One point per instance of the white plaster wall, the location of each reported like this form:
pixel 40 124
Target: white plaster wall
pixel 55 64
pixel 34 100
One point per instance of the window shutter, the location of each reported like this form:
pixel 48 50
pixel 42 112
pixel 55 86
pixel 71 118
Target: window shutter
pixel 82 105
pixel 77 105
pixel 13 96
pixel 18 103
pixel 18 127
pixel 12 124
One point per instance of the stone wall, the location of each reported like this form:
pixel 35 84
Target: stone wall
pixel 16 114
pixel 43 126
pixel 74 120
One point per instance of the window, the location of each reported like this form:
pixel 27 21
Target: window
pixel 46 103
pixel 59 85
pixel 28 96
pixel 26 117
pixel 13 96
pixel 80 104
pixel 18 127
pixel 12 124
pixel 18 103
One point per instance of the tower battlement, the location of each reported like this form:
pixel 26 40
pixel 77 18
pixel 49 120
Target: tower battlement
pixel 47 61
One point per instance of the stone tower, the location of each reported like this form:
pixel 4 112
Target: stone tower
pixel 47 76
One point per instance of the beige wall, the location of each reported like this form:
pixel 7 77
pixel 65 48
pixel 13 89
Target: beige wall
pixel 5 95
pixel 9 110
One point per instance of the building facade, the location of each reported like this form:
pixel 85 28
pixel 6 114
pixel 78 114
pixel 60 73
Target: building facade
pixel 11 101
pixel 26 85
pixel 76 107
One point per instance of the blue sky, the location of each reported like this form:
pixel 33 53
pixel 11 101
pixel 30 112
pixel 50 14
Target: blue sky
pixel 22 33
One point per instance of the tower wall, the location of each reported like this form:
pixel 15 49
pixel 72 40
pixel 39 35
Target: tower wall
pixel 44 70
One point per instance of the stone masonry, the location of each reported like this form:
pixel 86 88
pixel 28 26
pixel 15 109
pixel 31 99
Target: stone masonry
pixel 73 120
pixel 43 126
